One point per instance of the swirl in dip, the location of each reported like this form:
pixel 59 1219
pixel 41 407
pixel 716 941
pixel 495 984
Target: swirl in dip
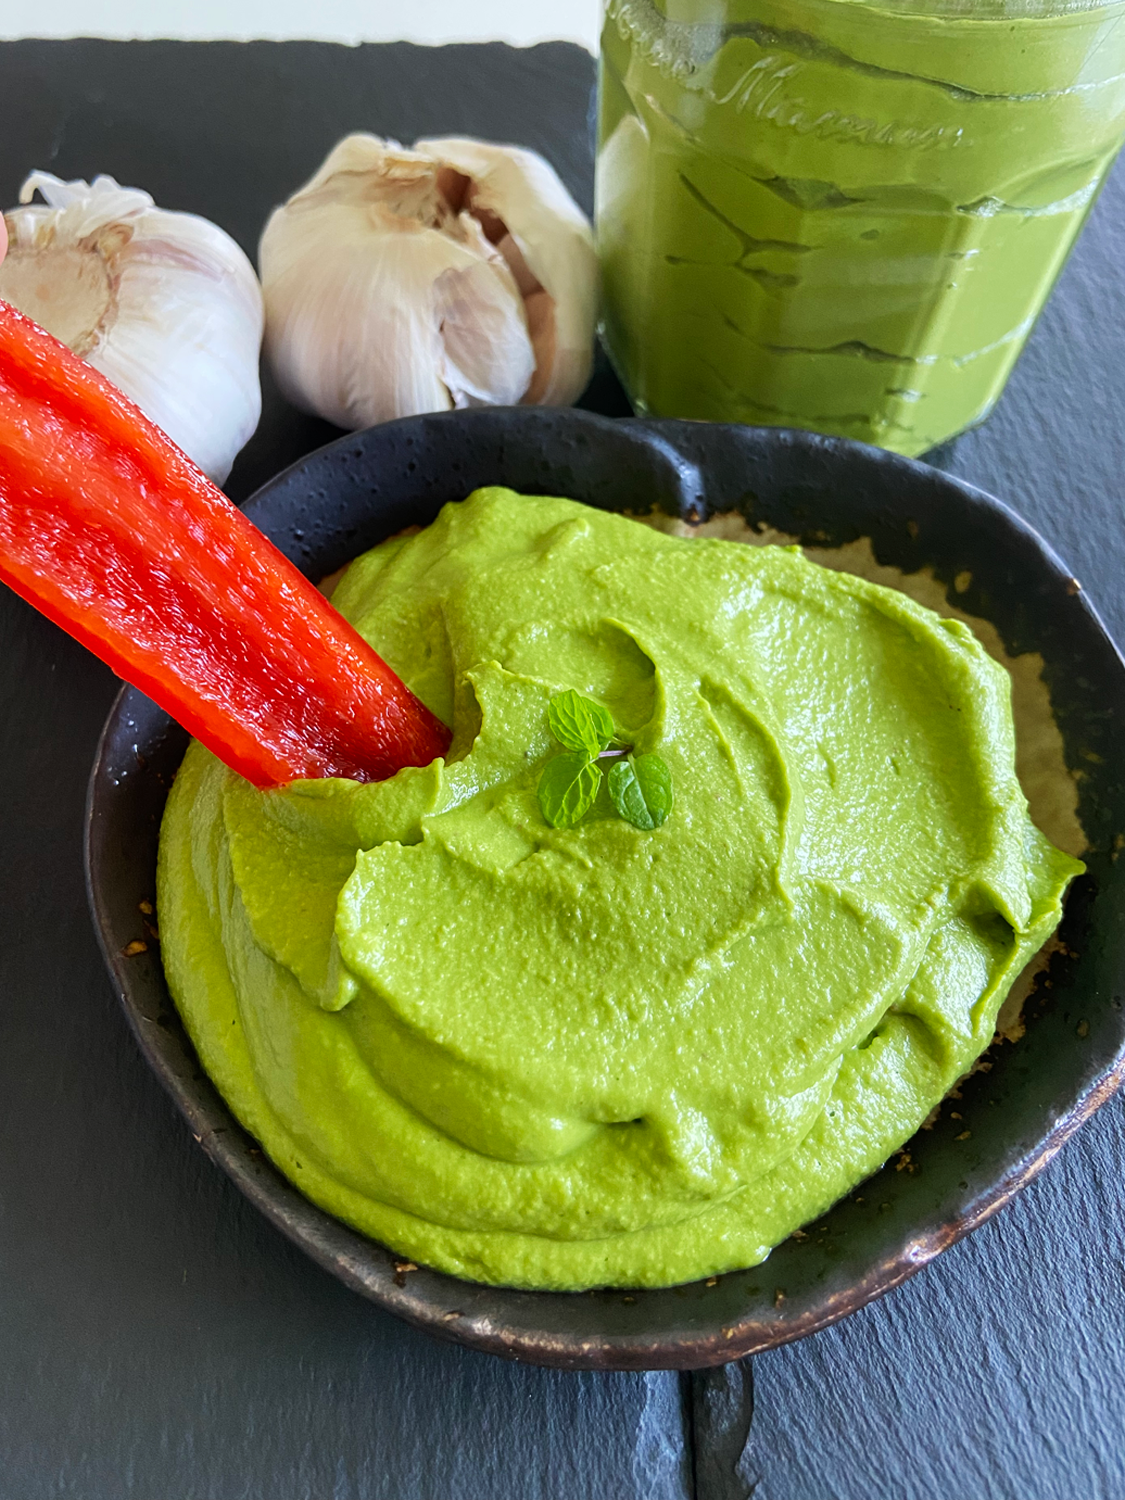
pixel 564 1058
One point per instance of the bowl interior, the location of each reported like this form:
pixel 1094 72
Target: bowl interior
pixel 351 495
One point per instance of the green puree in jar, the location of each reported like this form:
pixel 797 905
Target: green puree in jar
pixel 844 215
pixel 569 1057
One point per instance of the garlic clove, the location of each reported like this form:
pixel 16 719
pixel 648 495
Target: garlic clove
pixel 549 245
pixel 389 291
pixel 165 304
pixel 489 359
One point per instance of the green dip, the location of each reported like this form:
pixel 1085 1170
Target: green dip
pixel 844 215
pixel 565 1058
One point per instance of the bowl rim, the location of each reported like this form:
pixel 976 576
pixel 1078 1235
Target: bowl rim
pixel 495 1319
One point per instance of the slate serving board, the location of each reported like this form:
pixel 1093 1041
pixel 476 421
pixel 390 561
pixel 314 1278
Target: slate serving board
pixel 158 1340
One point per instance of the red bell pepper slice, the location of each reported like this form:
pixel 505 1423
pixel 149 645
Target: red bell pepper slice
pixel 110 531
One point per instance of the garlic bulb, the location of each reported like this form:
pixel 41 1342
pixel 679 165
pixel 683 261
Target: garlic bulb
pixel 164 304
pixel 454 274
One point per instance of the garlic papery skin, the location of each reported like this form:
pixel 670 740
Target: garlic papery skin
pixel 164 304
pixel 403 281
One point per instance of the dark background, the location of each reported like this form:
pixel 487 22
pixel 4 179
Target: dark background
pixel 159 1341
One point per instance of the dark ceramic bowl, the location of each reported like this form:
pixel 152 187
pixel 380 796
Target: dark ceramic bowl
pixel 344 499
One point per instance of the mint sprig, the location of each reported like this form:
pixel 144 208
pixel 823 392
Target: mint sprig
pixel 640 787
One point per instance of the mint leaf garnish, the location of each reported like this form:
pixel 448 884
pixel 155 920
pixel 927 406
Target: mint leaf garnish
pixel 641 790
pixel 580 723
pixel 567 788
pixel 640 787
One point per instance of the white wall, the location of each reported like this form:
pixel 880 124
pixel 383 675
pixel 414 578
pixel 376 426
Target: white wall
pixel 520 21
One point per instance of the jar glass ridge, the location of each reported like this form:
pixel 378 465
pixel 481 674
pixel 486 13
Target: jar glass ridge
pixel 844 216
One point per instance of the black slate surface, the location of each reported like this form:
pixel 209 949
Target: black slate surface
pixel 157 1340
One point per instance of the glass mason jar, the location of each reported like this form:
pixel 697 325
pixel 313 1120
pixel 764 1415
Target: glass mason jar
pixel 843 215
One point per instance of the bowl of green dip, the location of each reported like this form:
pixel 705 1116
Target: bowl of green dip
pixel 647 1098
